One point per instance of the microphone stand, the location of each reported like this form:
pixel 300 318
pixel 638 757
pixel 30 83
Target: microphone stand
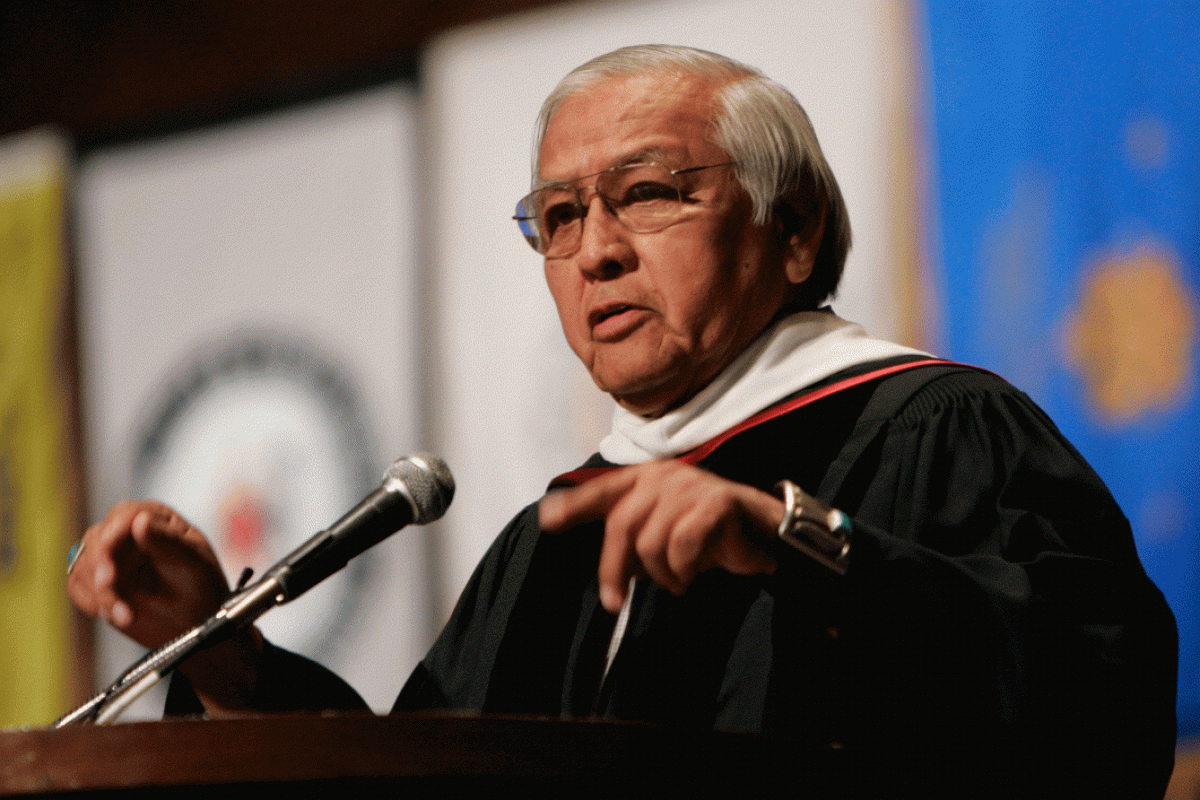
pixel 238 612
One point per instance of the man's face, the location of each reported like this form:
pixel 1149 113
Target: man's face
pixel 655 316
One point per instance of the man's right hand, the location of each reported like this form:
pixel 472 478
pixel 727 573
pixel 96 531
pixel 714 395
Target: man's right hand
pixel 148 572
pixel 152 576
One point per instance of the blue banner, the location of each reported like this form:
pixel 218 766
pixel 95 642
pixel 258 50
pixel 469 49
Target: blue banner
pixel 1067 150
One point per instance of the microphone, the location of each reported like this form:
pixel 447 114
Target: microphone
pixel 417 488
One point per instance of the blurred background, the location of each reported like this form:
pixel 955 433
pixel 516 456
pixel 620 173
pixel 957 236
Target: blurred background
pixel 251 252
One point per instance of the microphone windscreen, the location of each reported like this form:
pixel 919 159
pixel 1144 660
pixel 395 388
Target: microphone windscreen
pixel 426 482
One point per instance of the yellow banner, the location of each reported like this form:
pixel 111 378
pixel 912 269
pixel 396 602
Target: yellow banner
pixel 35 499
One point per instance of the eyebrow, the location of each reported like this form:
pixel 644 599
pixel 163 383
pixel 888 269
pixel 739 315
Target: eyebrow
pixel 656 154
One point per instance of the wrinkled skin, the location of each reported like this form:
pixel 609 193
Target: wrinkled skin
pixel 688 299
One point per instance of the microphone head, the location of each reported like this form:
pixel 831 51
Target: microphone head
pixel 427 483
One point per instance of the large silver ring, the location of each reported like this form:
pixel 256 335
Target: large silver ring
pixel 813 528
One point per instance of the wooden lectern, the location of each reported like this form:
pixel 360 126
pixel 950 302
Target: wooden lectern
pixel 359 755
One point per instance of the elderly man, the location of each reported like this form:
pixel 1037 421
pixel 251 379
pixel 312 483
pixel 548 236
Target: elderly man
pixel 792 528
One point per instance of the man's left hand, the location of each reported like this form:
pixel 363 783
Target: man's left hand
pixel 669 521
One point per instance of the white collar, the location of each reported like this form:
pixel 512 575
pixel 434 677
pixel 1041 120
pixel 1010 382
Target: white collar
pixel 795 352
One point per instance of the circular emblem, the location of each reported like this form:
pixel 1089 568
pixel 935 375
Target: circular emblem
pixel 260 443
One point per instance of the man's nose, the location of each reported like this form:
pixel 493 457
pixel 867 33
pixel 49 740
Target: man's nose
pixel 604 247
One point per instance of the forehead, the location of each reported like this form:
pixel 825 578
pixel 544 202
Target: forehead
pixel 617 118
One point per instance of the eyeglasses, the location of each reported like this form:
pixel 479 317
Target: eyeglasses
pixel 643 197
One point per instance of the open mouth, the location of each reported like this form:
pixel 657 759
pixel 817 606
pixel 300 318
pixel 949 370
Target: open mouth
pixel 609 313
pixel 615 320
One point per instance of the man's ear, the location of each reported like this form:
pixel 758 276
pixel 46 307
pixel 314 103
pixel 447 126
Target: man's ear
pixel 802 233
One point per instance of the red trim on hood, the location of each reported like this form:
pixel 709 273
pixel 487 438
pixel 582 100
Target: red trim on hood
pixel 697 454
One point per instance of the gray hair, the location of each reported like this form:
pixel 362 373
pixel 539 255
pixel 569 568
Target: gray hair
pixel 764 130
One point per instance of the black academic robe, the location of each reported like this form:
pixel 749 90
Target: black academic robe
pixel 995 633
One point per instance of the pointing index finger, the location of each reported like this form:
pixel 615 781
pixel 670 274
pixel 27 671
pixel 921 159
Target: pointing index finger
pixel 587 502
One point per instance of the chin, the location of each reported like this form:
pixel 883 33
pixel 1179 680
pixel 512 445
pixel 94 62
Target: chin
pixel 647 390
pixel 652 400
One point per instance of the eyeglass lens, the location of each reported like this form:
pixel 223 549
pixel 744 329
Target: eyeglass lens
pixel 644 197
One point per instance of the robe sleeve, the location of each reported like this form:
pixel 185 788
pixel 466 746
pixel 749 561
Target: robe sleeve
pixel 287 682
pixel 996 609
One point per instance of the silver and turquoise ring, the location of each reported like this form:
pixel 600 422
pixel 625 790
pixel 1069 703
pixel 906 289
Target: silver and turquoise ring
pixel 73 555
